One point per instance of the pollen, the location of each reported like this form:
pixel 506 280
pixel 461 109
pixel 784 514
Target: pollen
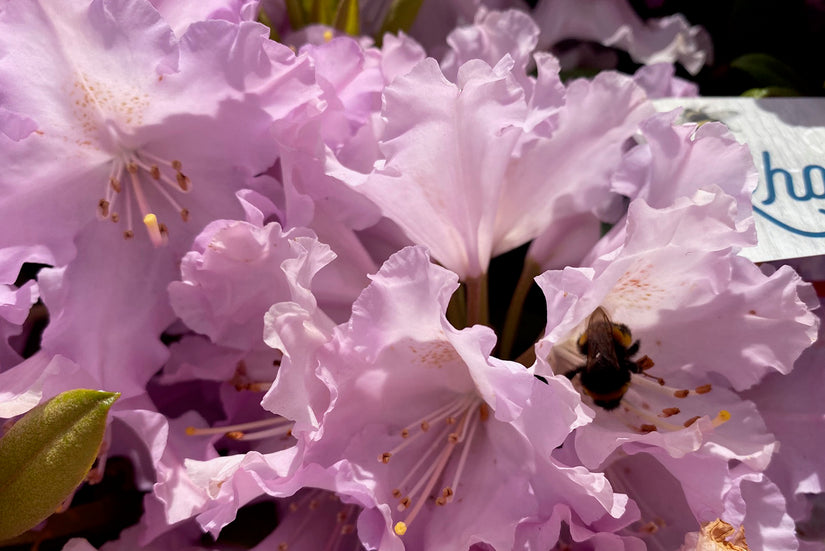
pixel 668 412
pixel 327 36
pixel 400 528
pixel 152 226
pixel 722 417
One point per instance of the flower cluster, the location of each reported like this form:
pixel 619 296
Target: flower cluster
pixel 420 293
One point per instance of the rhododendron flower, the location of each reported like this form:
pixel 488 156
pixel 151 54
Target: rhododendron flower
pixel 794 412
pixel 236 271
pixel 637 282
pixel 474 198
pixel 179 15
pixel 672 402
pixel 145 172
pixel 420 408
pixel 293 261
pixel 673 161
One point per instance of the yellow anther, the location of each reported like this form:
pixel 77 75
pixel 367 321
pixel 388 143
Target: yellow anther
pixel 327 35
pixel 400 528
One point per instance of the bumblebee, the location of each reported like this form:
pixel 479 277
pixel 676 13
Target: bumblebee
pixel 609 349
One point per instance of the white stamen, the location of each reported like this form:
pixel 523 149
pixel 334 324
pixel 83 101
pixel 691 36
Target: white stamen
pixel 423 459
pixel 240 427
pixel 647 416
pixel 668 390
pixel 462 460
pixel 278 431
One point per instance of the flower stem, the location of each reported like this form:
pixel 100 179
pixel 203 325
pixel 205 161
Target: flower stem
pixel 457 308
pixel 478 308
pixel 508 334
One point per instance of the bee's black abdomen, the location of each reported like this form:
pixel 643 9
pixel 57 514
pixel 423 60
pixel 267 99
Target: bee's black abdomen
pixel 604 378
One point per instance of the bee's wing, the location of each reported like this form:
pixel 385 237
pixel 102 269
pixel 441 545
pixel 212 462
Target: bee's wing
pixel 600 341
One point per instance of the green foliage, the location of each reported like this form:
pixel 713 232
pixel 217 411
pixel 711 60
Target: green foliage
pixel 400 17
pixel 298 13
pixel 768 71
pixel 346 18
pixel 46 454
pixel 770 92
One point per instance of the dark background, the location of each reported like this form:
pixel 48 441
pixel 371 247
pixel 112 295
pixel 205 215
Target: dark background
pixel 790 32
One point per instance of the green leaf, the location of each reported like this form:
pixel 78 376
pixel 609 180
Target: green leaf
pixel 767 70
pixel 323 11
pixel 298 17
pixel 770 92
pixel 400 17
pixel 346 18
pixel 46 454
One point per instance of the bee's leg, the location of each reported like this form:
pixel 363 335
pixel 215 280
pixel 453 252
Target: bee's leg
pixel 633 349
pixel 573 373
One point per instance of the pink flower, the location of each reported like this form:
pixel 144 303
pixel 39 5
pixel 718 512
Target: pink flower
pixel 676 160
pixel 676 289
pixel 463 178
pixel 179 15
pixel 664 285
pixel 420 409
pixel 125 174
pixel 236 272
pixel 793 411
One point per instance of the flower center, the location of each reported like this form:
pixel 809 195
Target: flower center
pixel 448 428
pixel 130 176
pixel 629 402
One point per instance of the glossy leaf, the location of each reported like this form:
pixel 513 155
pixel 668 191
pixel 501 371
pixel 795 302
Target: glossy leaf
pixel 46 454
